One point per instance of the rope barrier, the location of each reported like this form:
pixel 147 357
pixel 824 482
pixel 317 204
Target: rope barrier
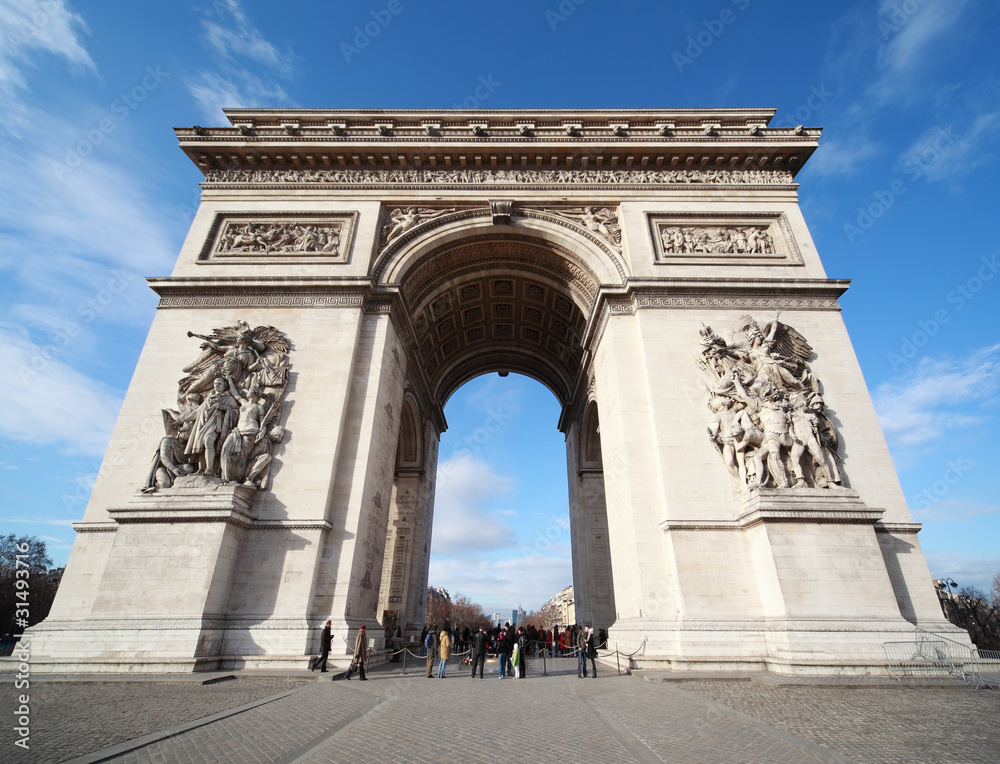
pixel 540 652
pixel 629 655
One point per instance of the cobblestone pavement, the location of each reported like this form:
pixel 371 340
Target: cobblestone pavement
pixel 69 720
pixel 882 726
pixel 554 718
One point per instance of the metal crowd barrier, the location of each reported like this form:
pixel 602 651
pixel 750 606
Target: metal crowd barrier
pixel 931 655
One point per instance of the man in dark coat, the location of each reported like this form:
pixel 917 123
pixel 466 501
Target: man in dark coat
pixel 592 651
pixel 479 652
pixel 522 653
pixel 581 654
pixel 325 640
pixel 431 645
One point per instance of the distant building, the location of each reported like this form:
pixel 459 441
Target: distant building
pixel 560 610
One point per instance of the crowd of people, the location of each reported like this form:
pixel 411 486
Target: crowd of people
pixel 511 645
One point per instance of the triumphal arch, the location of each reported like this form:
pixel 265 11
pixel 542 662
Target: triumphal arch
pixel 732 500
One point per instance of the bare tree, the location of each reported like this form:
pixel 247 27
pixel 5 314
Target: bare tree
pixel 27 587
pixel 545 618
pixel 465 612
pixel 995 591
pixel 973 593
pixel 438 608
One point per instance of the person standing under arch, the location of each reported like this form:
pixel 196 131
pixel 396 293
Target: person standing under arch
pixel 444 651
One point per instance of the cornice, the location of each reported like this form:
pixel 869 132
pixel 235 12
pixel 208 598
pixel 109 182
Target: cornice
pixel 681 138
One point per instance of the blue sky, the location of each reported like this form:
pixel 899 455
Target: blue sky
pixel 901 197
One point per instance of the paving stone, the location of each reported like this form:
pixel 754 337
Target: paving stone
pixel 554 718
pixel 901 725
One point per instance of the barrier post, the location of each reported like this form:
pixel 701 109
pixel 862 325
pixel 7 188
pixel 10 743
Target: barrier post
pixel 405 651
pixel 618 660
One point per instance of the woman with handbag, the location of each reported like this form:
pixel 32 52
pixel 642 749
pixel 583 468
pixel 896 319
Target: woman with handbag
pixel 360 655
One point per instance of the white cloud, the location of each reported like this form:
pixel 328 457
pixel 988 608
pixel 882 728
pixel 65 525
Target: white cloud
pixel 36 521
pixel 27 28
pixel 965 570
pixel 500 585
pixel 911 41
pixel 463 524
pixel 77 245
pixel 242 38
pixel 53 404
pixel 239 89
pixel 845 156
pixel 233 37
pixel 911 35
pixel 938 396
pixel 948 510
pixel 942 153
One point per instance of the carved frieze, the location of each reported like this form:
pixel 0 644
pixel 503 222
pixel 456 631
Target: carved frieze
pixel 717 240
pixel 260 238
pixel 229 404
pixel 728 239
pixel 500 176
pixel 768 418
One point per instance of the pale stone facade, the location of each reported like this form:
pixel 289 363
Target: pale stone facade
pixel 404 253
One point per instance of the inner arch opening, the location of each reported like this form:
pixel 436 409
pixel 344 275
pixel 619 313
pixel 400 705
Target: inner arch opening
pixel 502 531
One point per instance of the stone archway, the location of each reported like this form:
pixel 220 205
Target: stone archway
pixel 480 298
pixel 733 502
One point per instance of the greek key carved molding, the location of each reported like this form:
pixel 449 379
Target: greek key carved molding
pixel 739 302
pixel 354 299
pixel 500 177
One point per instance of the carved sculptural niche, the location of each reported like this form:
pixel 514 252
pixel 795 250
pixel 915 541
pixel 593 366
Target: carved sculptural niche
pixel 229 405
pixel 768 420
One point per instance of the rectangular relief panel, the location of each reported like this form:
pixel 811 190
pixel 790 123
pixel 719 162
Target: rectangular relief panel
pixel 318 237
pixel 723 239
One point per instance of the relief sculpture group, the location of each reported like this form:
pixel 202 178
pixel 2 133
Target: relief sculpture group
pixel 229 405
pixel 769 421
